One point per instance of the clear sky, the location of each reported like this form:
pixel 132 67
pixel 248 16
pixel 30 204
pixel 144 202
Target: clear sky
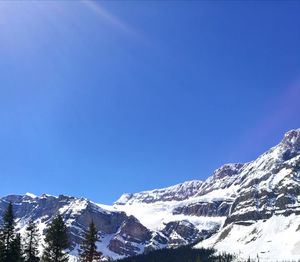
pixel 101 98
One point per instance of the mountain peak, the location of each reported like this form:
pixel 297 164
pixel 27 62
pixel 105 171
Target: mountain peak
pixel 292 139
pixel 229 169
pixel 177 192
pixel 30 195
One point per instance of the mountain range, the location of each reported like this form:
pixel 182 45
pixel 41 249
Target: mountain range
pixel 250 209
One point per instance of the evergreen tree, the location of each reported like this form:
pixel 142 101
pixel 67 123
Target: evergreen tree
pixel 16 254
pixel 8 231
pixel 10 242
pixel 2 248
pixel 31 243
pixel 198 259
pixel 56 241
pixel 88 252
pixel 181 254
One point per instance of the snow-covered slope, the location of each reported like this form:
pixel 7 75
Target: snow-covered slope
pixel 250 209
pixel 120 235
pixel 256 205
pixel 205 204
pixel 273 239
pixel 174 193
pixel 264 217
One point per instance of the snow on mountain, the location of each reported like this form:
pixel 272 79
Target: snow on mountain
pixel 155 216
pixel 30 195
pixel 121 234
pixel 250 209
pixel 264 217
pixel 205 204
pixel 238 199
pixel 273 239
pixel 178 192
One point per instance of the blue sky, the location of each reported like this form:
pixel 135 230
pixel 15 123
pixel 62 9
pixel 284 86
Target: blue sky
pixel 101 98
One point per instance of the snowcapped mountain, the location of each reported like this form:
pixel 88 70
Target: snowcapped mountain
pixel 250 209
pixel 264 217
pixel 120 235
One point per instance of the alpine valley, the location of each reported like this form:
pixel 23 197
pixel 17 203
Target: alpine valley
pixel 250 209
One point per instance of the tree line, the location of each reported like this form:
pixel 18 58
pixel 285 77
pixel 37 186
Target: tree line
pixel 14 248
pixel 181 254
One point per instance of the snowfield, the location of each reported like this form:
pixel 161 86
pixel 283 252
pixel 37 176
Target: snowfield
pixel 276 239
pixel 155 216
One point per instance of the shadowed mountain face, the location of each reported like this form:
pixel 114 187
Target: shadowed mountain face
pixel 239 203
pixel 115 227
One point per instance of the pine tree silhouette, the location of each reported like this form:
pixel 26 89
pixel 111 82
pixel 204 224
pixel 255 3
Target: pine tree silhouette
pixel 56 241
pixel 31 243
pixel 88 248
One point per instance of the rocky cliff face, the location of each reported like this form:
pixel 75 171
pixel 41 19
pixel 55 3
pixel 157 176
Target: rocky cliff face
pixel 269 185
pixel 251 208
pixel 259 202
pixel 174 193
pixel 264 217
pixel 120 232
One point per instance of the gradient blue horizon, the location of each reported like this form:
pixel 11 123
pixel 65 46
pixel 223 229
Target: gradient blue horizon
pixel 102 98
